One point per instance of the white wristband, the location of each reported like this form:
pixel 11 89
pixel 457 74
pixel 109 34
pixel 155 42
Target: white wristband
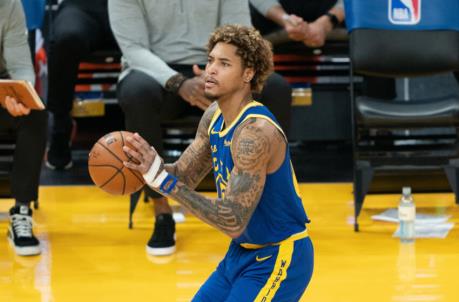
pixel 159 179
pixel 153 171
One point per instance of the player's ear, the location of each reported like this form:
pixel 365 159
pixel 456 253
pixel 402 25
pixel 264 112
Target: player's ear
pixel 248 75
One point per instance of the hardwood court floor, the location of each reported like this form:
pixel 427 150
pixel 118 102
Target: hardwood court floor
pixel 91 255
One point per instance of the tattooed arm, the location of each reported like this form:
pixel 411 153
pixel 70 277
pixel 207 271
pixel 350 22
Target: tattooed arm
pixel 196 161
pixel 254 148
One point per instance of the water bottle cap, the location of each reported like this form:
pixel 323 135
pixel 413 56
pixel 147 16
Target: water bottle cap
pixel 406 191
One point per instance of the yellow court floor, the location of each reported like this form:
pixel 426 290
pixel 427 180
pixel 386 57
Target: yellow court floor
pixel 91 255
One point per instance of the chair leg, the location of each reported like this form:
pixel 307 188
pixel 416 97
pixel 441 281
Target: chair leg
pixel 363 175
pixel 134 199
pixel 452 174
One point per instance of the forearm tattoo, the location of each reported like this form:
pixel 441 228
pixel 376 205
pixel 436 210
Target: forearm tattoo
pixel 231 214
pixel 196 161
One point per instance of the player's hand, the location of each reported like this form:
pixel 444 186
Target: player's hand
pixel 14 107
pixel 317 33
pixel 192 90
pixel 143 153
pixel 295 27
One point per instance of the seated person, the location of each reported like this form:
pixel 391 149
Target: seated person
pixel 163 77
pixel 80 28
pixel 306 21
pixel 29 126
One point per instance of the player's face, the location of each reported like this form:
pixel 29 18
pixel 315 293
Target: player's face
pixel 225 73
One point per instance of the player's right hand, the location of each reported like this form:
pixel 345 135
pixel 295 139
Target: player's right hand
pixel 150 164
pixel 192 90
pixel 142 152
pixel 14 107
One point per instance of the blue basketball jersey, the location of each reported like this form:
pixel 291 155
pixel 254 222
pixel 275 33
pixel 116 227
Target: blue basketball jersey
pixel 279 213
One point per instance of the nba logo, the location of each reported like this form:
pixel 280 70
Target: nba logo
pixel 404 12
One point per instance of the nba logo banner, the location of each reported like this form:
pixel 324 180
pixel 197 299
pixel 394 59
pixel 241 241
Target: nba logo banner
pixel 404 12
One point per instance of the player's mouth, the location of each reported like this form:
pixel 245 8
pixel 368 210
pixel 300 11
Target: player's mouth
pixel 210 82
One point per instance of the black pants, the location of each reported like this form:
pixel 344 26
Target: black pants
pixel 28 156
pixel 309 10
pixel 77 32
pixel 146 104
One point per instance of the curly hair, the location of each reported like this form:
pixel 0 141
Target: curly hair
pixel 255 52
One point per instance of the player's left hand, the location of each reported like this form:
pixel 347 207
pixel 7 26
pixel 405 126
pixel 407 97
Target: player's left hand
pixel 14 107
pixel 143 153
pixel 192 90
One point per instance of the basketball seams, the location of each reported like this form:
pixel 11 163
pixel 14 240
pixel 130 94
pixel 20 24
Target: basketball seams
pixel 110 165
pixel 111 178
pixel 124 182
pixel 110 151
pixel 119 170
pixel 130 158
pixel 105 165
pixel 137 175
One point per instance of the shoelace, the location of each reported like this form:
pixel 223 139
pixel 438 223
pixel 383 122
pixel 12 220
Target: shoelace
pixel 22 225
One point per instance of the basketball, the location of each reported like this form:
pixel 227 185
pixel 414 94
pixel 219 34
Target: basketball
pixel 106 168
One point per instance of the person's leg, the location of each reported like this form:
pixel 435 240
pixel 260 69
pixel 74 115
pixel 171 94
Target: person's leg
pixel 145 103
pixel 30 133
pixel 308 10
pixel 263 24
pixel 276 273
pixel 277 96
pixel 28 156
pixel 76 33
pixel 215 289
pixel 299 273
pixel 218 286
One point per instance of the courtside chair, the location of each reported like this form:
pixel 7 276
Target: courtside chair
pixel 403 39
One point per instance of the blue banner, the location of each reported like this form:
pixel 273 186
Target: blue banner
pixel 34 11
pixel 402 14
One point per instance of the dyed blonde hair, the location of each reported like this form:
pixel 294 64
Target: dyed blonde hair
pixel 255 52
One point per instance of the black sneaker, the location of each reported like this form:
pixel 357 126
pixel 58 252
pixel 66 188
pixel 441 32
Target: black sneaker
pixel 59 156
pixel 20 233
pixel 162 242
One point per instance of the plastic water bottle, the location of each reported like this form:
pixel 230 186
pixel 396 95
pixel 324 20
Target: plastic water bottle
pixel 406 215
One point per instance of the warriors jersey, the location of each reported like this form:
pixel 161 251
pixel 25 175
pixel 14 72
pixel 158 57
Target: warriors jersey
pixel 279 213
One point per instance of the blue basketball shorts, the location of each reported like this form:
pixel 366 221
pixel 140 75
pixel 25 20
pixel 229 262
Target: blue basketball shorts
pixel 278 272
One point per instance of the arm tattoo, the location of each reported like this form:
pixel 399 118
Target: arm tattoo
pixel 196 161
pixel 231 214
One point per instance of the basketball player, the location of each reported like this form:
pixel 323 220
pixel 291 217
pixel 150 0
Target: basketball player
pixel 270 256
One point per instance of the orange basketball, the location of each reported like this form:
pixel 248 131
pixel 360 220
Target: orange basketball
pixel 106 167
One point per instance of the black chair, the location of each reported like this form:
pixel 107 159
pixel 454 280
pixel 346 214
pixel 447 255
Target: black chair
pixel 419 135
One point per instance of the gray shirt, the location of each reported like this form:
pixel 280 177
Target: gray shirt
pixel 15 59
pixel 155 33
